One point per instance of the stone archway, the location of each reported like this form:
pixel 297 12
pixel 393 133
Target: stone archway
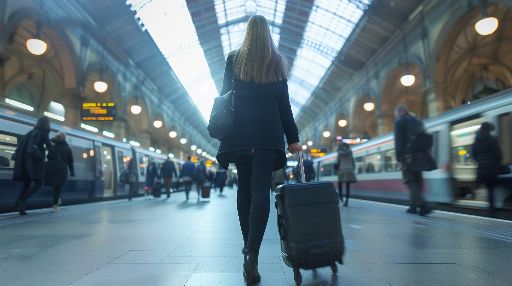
pixel 470 66
pixel 363 123
pixel 394 94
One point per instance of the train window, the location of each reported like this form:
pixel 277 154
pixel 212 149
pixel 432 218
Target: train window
pixel 143 163
pixel 372 163
pixel 7 147
pixel 327 169
pixel 390 163
pixel 505 137
pixel 359 165
pixel 462 138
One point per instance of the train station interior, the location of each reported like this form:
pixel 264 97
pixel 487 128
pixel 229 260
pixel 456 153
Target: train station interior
pixel 130 85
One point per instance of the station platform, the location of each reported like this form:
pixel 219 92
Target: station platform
pixel 178 242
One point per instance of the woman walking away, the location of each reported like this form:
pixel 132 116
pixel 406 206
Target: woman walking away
pixel 220 179
pixel 487 154
pixel 346 166
pixel 151 178
pixel 60 159
pixel 257 74
pixel 29 161
pixel 200 177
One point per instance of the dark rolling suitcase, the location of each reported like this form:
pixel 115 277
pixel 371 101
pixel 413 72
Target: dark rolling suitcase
pixel 157 189
pixel 309 224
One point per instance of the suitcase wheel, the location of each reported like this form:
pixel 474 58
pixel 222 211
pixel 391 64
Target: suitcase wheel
pixel 297 276
pixel 334 268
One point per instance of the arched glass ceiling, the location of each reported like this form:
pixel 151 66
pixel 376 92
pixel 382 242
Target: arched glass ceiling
pixel 169 23
pixel 233 15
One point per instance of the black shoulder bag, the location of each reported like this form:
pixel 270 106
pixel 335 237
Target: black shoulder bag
pixel 222 117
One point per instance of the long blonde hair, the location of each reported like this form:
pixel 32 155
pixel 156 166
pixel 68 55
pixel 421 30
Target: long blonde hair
pixel 258 60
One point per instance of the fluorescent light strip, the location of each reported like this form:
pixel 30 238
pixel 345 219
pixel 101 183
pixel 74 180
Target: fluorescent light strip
pixel 109 134
pixel 54 116
pixel 89 128
pixel 465 130
pixel 135 143
pixel 19 104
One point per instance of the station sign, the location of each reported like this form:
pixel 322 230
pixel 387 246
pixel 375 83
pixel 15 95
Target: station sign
pixel 318 152
pixel 98 111
pixel 209 163
pixel 194 159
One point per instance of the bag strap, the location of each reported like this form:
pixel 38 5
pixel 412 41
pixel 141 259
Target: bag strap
pixel 233 81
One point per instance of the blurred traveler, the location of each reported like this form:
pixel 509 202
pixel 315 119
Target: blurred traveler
pixel 487 154
pixel 60 159
pixel 133 182
pixel 167 171
pixel 187 174
pixel 345 167
pixel 29 161
pixel 257 74
pixel 407 126
pixel 200 177
pixel 151 179
pixel 211 177
pixel 220 179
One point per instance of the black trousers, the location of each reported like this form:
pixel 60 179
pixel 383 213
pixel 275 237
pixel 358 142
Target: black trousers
pixel 29 188
pixel 414 182
pixel 253 195
pixel 347 192
pixel 56 194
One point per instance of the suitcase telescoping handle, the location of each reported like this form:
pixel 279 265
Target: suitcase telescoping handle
pixel 301 165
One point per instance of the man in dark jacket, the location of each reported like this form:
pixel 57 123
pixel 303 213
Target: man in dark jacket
pixel 60 159
pixel 167 171
pixel 29 161
pixel 405 129
pixel 187 175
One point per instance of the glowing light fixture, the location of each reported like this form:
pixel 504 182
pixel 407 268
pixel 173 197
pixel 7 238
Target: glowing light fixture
pixel 369 106
pixel 326 133
pixel 100 86
pixel 110 135
pixel 158 123
pixel 136 109
pixel 54 116
pixel 19 104
pixel 89 128
pixel 304 147
pixel 407 79
pixel 152 149
pixel 183 140
pixel 171 155
pixel 193 147
pixel 199 151
pixel 135 143
pixel 310 143
pixel 158 151
pixel 204 153
pixel 487 26
pixel 343 122
pixel 173 134
pixel 36 46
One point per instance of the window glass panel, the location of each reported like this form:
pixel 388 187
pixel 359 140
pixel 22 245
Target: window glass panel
pixel 505 137
pixel 372 163
pixel 390 163
pixel 359 165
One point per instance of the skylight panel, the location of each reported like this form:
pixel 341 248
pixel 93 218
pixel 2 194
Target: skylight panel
pixel 330 23
pixel 237 13
pixel 170 25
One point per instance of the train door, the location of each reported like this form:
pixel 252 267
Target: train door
pixel 463 167
pixel 123 156
pixel 108 170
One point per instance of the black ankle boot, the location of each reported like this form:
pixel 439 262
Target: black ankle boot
pixel 251 274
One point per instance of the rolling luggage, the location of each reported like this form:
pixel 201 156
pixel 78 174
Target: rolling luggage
pixel 157 189
pixel 309 223
pixel 205 191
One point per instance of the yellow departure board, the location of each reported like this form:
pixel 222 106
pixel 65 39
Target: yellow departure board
pixel 98 111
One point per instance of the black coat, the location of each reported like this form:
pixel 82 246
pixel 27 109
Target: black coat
pixel 29 156
pixel 406 127
pixel 487 153
pixel 263 116
pixel 60 159
pixel 168 169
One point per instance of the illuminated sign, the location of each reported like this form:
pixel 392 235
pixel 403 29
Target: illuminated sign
pixel 317 152
pixel 98 111
pixel 194 159
pixel 209 163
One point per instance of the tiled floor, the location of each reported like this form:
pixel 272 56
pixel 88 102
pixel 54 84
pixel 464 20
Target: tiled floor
pixel 173 242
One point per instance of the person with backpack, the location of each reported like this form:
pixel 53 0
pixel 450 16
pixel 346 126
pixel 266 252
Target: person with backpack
pixel 60 159
pixel 407 149
pixel 29 160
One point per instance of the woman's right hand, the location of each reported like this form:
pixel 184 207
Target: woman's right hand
pixel 294 147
